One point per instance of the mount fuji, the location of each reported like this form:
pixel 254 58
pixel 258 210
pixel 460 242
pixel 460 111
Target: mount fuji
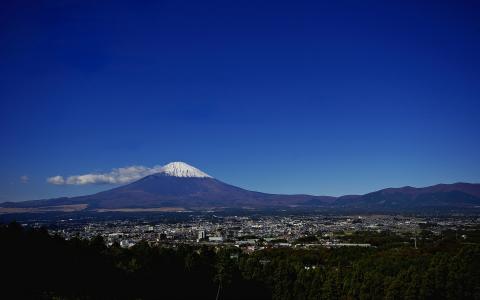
pixel 177 186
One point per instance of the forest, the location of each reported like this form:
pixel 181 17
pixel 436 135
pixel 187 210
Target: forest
pixel 36 265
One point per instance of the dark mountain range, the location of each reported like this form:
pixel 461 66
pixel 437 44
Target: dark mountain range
pixel 436 197
pixel 179 186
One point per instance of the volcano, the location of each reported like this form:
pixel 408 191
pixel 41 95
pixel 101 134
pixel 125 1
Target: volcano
pixel 177 186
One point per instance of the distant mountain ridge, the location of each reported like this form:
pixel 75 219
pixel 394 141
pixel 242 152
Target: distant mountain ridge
pixel 179 186
pixel 457 195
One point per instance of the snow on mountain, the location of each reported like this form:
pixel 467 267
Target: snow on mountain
pixel 181 169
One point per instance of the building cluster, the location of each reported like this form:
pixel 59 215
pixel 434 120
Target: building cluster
pixel 250 233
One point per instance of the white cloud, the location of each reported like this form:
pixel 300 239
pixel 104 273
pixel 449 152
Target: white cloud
pixel 116 176
pixel 56 180
pixel 24 178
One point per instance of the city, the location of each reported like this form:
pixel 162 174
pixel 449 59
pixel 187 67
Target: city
pixel 253 233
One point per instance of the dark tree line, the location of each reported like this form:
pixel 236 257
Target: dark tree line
pixel 39 266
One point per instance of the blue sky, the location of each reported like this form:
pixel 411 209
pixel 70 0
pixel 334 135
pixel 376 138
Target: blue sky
pixel 319 97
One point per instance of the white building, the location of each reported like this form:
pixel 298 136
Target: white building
pixel 215 239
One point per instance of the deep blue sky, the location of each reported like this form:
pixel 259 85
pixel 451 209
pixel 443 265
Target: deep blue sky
pixel 320 97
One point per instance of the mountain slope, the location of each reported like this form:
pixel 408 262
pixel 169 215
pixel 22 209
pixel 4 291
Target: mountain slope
pixel 160 190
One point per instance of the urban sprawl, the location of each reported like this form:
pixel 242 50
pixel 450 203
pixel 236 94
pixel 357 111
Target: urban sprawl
pixel 252 233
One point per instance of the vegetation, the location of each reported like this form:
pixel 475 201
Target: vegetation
pixel 40 266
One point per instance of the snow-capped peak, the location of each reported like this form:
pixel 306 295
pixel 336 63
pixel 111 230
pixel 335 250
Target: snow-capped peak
pixel 181 169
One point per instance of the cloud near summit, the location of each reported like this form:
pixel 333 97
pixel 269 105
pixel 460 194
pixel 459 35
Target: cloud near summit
pixel 116 176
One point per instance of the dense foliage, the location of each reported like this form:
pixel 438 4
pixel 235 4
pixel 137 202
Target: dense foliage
pixel 39 266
